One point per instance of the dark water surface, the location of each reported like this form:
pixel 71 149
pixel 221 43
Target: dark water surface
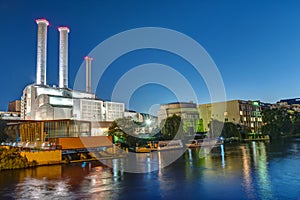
pixel 254 170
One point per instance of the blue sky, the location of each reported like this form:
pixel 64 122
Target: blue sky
pixel 255 45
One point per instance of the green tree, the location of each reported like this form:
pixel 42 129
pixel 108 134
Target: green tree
pixel 230 130
pixel 215 128
pixel 172 128
pixel 277 122
pixel 200 126
pixel 123 130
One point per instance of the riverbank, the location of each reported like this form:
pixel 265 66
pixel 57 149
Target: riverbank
pixel 16 158
pixel 11 158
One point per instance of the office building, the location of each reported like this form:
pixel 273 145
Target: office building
pixel 244 113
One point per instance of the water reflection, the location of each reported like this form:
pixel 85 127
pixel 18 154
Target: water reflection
pixel 223 155
pixel 259 159
pixel 263 174
pixel 241 171
pixel 33 188
pixel 247 172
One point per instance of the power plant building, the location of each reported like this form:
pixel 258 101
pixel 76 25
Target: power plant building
pixel 43 102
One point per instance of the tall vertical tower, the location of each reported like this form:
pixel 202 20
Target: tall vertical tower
pixel 63 56
pixel 41 51
pixel 88 73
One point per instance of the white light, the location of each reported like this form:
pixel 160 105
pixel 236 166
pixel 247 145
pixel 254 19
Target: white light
pixel 148 121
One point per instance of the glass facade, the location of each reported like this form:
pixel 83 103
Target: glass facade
pixel 43 131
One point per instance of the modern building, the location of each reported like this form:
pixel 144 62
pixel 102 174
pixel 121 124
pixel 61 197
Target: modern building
pixel 290 101
pixel 245 113
pixel 56 134
pixel 14 106
pixel 186 110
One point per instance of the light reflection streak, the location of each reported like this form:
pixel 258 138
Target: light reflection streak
pixel 247 173
pixel 159 165
pixel 254 153
pixel 148 160
pixel 223 155
pixel 262 170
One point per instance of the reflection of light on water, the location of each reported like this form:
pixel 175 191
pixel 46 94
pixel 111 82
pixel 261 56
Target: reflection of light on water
pixel 33 188
pixel 262 170
pixel 223 155
pixel 118 168
pixel 159 164
pixel 190 155
pixel 99 184
pixel 247 173
pixel 203 152
pixel 254 152
pixel 260 163
pixel 115 167
pixel 148 163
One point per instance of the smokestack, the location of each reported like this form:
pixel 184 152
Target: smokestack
pixel 88 74
pixel 41 51
pixel 63 56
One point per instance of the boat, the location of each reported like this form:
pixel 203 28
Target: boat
pixel 203 143
pixel 142 150
pixel 169 145
pixel 160 146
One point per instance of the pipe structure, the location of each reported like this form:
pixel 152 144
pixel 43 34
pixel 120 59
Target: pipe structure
pixel 88 74
pixel 41 60
pixel 63 56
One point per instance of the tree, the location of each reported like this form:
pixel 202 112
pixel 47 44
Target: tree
pixel 230 130
pixel 277 122
pixel 172 128
pixel 3 134
pixel 215 128
pixel 123 130
pixel 224 129
pixel 200 126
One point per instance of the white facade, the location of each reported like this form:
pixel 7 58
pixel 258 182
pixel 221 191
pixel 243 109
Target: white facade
pixel 63 56
pixel 41 59
pixel 45 103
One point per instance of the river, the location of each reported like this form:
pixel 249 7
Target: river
pixel 253 170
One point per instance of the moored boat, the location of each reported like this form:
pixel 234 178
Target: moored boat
pixel 169 145
pixel 203 143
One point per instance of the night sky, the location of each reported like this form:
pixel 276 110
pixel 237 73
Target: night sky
pixel 254 44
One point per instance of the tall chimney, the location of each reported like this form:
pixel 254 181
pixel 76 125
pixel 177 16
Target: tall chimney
pixel 88 74
pixel 63 56
pixel 41 51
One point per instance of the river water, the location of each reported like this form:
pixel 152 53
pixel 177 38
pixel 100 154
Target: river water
pixel 254 170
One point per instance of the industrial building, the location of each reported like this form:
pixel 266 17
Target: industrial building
pixel 43 102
